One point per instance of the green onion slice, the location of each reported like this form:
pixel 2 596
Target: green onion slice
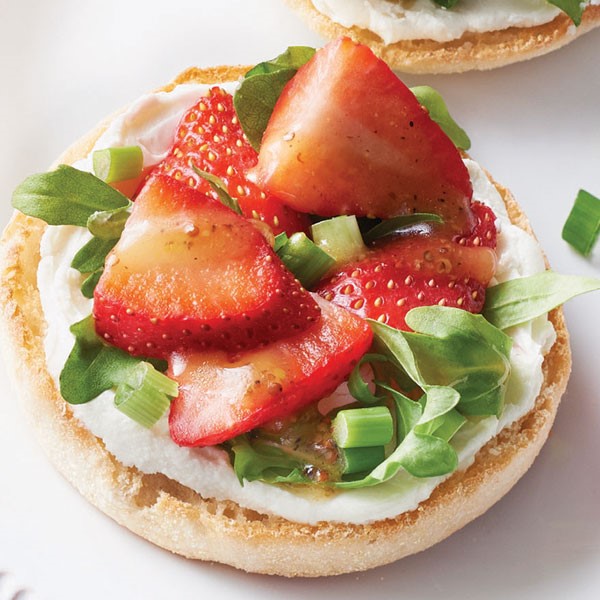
pixel 118 164
pixel 397 224
pixel 147 400
pixel 305 259
pixel 361 460
pixel 340 237
pixel 363 427
pixel 281 240
pixel 583 223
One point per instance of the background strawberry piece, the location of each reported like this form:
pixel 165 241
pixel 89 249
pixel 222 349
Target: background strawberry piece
pixel 210 137
pixel 219 399
pixel 189 272
pixel 412 271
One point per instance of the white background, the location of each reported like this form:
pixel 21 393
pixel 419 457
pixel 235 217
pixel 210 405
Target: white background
pixel 64 64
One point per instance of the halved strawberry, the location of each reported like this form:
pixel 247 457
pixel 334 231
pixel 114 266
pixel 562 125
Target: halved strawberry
pixel 210 137
pixel 412 271
pixel 348 137
pixel 219 399
pixel 190 272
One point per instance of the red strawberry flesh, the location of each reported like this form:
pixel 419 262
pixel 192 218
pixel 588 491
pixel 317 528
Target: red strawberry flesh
pixel 219 399
pixel 348 137
pixel 484 233
pixel 190 272
pixel 211 138
pixel 418 270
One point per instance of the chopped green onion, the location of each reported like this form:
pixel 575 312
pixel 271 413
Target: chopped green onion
pixel 305 259
pixel 357 386
pixel 340 237
pixel 399 223
pixel 281 240
pixel 147 400
pixel 118 164
pixel 218 186
pixel 361 460
pixel 583 223
pixel 363 427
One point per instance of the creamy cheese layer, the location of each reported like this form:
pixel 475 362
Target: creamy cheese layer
pixel 397 20
pixel 151 122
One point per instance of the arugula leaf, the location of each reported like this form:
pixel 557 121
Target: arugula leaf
pixel 396 224
pixel 445 426
pixel 266 462
pixel 424 455
pixel 408 412
pixel 451 347
pixel 91 257
pixel 219 187
pixel 261 87
pixel 90 260
pixel 293 57
pixel 520 300
pixel 358 387
pixel 573 8
pixel 420 451
pixel 438 402
pixel 94 367
pixel 66 196
pixel 90 282
pixel 433 102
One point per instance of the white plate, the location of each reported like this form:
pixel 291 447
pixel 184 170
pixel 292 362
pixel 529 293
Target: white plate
pixel 535 126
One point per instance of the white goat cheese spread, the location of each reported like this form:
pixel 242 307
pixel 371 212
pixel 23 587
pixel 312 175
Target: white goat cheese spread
pixel 397 20
pixel 150 122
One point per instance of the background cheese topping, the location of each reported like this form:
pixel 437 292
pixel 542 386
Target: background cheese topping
pixel 396 20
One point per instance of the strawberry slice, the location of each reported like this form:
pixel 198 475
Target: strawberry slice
pixel 415 271
pixel 210 137
pixel 348 137
pixel 219 399
pixel 189 271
